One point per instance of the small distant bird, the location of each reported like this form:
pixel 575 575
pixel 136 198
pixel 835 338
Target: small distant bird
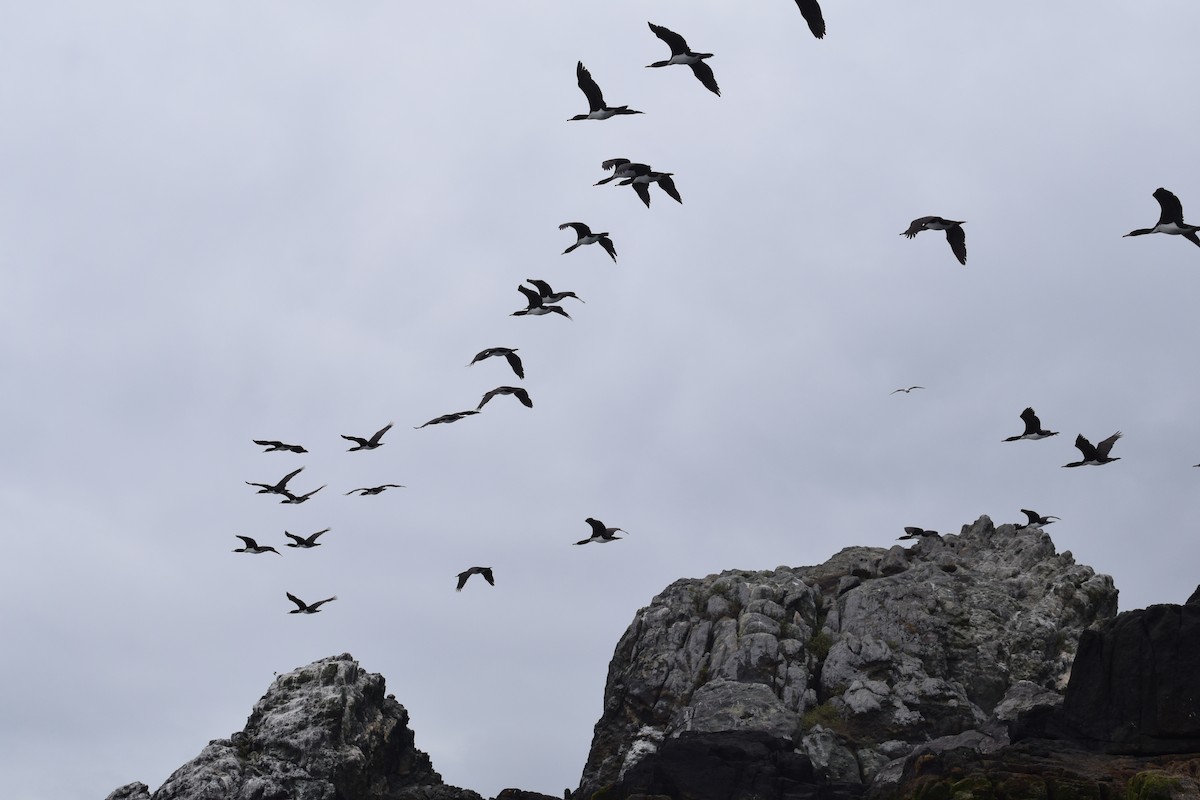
pixel 515 391
pixel 597 108
pixel 682 54
pixel 811 11
pixel 304 542
pixel 1171 219
pixel 274 446
pixel 307 608
pixel 535 307
pixel 913 532
pixel 445 418
pixel 906 391
pixel 584 235
pixel 486 572
pixel 621 167
pixel 1094 455
pixel 276 488
pixel 954 233
pixel 643 176
pixel 1033 428
pixel 367 444
pixel 601 534
pixel 295 499
pixel 1035 520
pixel 510 355
pixel 366 490
pixel 254 547
pixel 548 295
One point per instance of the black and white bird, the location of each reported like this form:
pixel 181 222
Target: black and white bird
pixel 954 233
pixel 275 446
pixel 307 608
pixel 584 235
pixel 601 534
pixel 510 355
pixel 643 176
pixel 621 167
pixel 1033 428
pixel 368 444
pixel 597 108
pixel 535 307
pixel 305 542
pixel 906 391
pixel 811 11
pixel 1036 520
pixel 515 391
pixel 913 532
pixel 486 572
pixel 297 499
pixel 276 488
pixel 682 54
pixel 368 490
pixel 254 547
pixel 548 295
pixel 1171 219
pixel 1094 456
pixel 447 418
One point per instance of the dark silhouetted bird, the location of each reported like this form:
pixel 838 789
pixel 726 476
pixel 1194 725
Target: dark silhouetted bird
pixel 515 391
pixel 307 608
pixel 486 572
pixel 601 534
pixel 276 488
pixel 584 235
pixel 621 167
pixel 446 418
pixel 643 176
pixel 254 547
pixel 368 444
pixel 682 54
pixel 297 499
pixel 913 532
pixel 597 108
pixel 954 233
pixel 305 542
pixel 366 490
pixel 535 307
pixel 509 353
pixel 1036 520
pixel 548 295
pixel 1033 428
pixel 274 446
pixel 906 391
pixel 1171 219
pixel 1094 455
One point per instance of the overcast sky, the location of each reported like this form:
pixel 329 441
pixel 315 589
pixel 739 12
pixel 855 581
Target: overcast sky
pixel 294 220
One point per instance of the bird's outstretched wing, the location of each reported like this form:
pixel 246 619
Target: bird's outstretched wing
pixel 589 87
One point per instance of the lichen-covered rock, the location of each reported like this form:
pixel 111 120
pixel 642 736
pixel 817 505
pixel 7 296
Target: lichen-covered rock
pixel 893 646
pixel 326 731
pixel 131 791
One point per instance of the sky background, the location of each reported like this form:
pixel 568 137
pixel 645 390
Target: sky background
pixel 293 220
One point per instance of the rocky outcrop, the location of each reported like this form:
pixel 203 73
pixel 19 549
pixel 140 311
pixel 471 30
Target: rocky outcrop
pixel 855 661
pixel 322 732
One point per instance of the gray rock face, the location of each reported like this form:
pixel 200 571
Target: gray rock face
pixel 322 732
pixel 895 647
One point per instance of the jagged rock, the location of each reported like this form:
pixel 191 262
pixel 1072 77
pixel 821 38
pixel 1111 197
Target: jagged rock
pixel 131 791
pixel 896 646
pixel 322 732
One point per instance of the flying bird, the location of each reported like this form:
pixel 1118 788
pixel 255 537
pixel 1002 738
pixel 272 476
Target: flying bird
pixel 682 54
pixel 643 176
pixel 276 488
pixel 486 572
pixel 304 542
pixel 621 167
pixel 515 391
pixel 446 418
pixel 954 233
pixel 1036 520
pixel 811 11
pixel 597 108
pixel 1094 455
pixel 913 532
pixel 601 534
pixel 906 391
pixel 367 444
pixel 584 235
pixel 1171 219
pixel 535 307
pixel 548 295
pixel 295 499
pixel 366 490
pixel 1033 428
pixel 307 608
pixel 254 547
pixel 274 446
pixel 510 355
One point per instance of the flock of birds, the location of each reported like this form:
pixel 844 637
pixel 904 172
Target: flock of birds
pixel 541 300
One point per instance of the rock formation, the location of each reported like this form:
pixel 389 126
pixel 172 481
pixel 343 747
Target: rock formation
pixel 852 663
pixel 321 732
